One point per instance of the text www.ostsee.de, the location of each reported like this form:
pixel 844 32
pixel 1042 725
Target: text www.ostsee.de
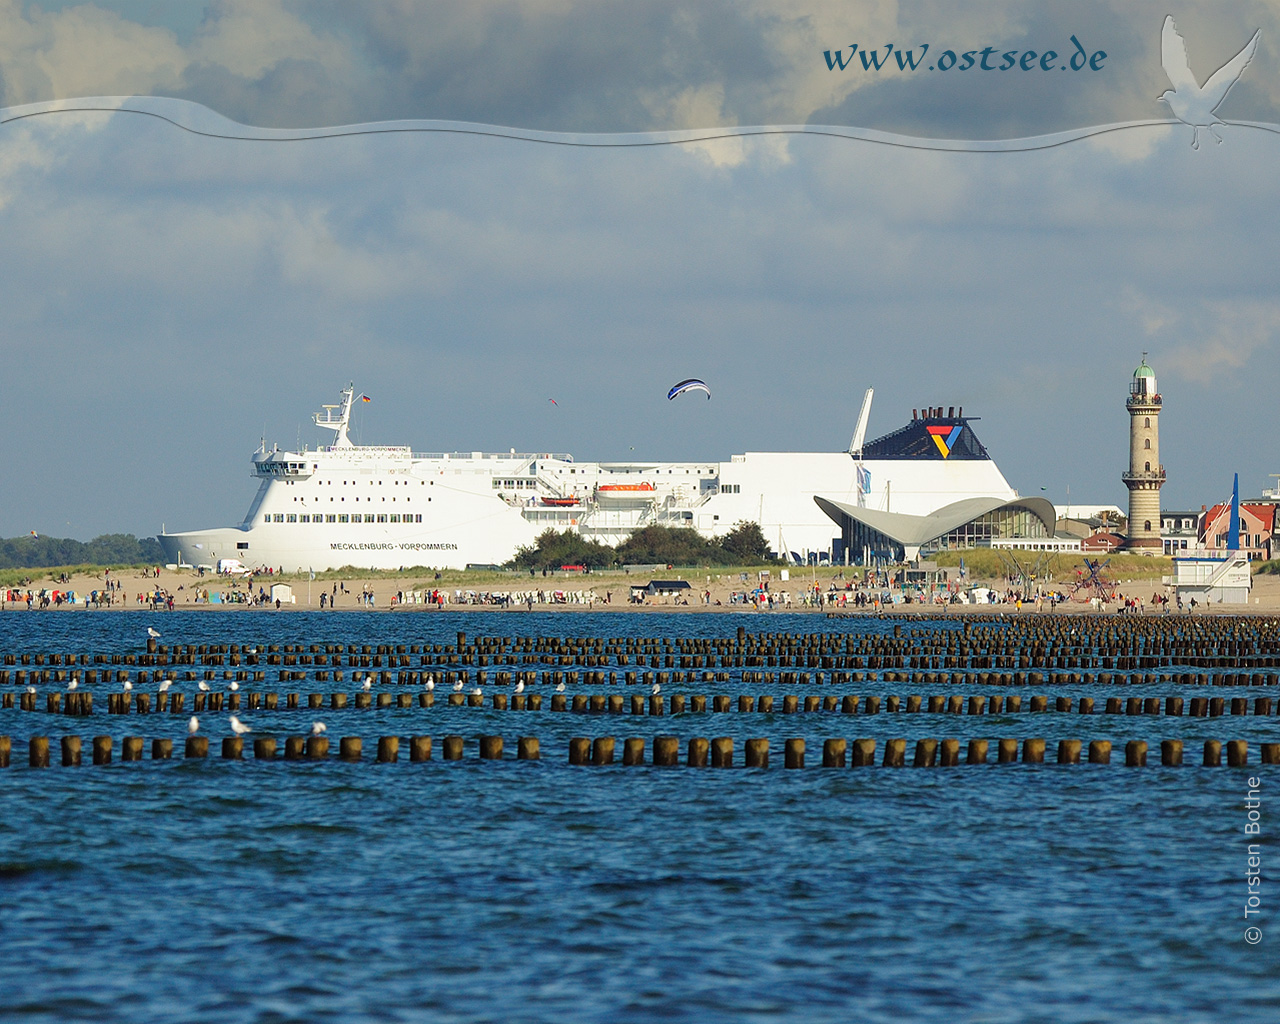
pixel 988 58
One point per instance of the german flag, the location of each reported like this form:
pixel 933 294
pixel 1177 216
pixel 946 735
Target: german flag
pixel 365 398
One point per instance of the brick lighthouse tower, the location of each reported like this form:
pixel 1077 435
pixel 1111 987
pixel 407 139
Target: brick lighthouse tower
pixel 1145 476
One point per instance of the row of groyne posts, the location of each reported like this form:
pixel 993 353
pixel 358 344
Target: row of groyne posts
pixel 701 752
pixel 986 651
pixel 78 704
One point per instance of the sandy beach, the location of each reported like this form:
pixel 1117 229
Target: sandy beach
pixel 611 590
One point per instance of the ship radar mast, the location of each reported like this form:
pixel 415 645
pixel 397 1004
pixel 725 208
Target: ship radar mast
pixel 337 417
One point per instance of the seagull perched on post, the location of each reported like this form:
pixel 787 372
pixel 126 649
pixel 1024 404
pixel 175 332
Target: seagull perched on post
pixel 560 687
pixel 233 686
pixel 127 686
pixel 1190 102
pixel 657 689
pixel 238 727
pixel 204 687
pixel 75 681
pixel 317 728
pixel 193 725
pixel 367 685
pixel 457 687
pixel 153 633
pixel 520 687
pixel 164 687
pixel 431 684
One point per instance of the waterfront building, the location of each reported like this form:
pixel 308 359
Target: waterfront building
pixel 1257 529
pixel 1180 530
pixel 957 498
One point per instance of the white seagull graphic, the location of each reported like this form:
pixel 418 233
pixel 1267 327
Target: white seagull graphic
pixel 1191 102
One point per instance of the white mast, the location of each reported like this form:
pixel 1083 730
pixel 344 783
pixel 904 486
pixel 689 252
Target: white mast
pixel 855 446
pixel 338 423
pixel 860 432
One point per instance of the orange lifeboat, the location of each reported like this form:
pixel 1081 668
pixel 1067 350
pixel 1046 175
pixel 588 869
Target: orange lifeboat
pixel 624 490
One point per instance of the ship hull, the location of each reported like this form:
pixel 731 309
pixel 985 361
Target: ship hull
pixel 364 547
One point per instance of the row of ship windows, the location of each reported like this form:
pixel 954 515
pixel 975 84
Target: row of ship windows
pixel 396 483
pixel 293 517
pixel 519 485
pixel 296 498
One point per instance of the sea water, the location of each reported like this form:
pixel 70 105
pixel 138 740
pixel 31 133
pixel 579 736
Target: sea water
pixel 536 891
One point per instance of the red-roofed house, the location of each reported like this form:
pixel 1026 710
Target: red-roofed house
pixel 1101 542
pixel 1257 529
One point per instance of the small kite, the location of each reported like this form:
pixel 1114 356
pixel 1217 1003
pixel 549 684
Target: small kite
pixel 554 402
pixel 692 384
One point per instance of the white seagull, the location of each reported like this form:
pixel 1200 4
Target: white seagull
pixel 317 728
pixel 559 687
pixel 657 689
pixel 154 634
pixel 367 685
pixel 193 725
pixel 31 689
pixel 164 687
pixel 127 686
pixel 431 685
pixel 457 687
pixel 75 681
pixel 477 692
pixel 204 687
pixel 238 727
pixel 1190 102
pixel 233 686
pixel 520 687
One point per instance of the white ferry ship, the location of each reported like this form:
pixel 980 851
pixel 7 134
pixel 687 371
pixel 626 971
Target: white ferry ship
pixel 387 507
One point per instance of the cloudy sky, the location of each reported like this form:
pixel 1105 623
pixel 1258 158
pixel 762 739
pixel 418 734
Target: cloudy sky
pixel 167 299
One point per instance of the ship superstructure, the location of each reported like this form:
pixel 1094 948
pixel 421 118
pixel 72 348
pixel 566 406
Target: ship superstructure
pixel 387 507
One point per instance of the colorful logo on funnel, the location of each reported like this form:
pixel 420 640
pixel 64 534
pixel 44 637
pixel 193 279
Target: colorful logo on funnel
pixel 945 438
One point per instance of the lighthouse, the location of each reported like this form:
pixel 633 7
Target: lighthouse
pixel 1145 476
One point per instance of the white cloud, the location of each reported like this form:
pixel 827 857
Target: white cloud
pixel 20 153
pixel 1152 315
pixel 83 51
pixel 1238 336
pixel 250 37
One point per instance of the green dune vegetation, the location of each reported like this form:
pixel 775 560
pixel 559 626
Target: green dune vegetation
pixel 993 564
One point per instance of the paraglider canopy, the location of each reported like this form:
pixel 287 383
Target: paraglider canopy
pixel 692 384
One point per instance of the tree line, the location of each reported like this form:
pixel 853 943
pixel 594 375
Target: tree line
pixel 661 545
pixel 108 549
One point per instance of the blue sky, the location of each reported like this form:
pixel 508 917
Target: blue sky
pixel 167 299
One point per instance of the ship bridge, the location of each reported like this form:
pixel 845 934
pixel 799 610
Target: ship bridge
pixel 280 465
